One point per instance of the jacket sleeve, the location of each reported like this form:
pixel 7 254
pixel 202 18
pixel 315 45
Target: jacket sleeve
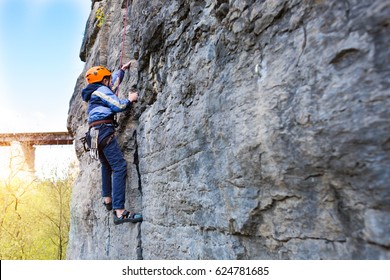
pixel 111 100
pixel 117 78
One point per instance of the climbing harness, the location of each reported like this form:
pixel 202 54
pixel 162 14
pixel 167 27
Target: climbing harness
pixel 84 142
pixel 94 133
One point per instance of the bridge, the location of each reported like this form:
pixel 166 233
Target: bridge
pixel 38 138
pixel 22 149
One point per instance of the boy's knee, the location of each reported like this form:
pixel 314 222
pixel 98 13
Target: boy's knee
pixel 121 166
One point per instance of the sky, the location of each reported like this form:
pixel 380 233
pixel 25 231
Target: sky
pixel 40 42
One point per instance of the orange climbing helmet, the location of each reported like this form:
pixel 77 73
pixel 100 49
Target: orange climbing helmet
pixel 96 74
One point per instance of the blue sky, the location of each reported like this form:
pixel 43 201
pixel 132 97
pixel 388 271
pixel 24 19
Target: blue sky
pixel 39 62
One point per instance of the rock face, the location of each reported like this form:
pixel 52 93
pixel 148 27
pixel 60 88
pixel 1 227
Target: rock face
pixel 262 130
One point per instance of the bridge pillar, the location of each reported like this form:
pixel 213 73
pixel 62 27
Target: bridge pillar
pixel 22 159
pixel 22 150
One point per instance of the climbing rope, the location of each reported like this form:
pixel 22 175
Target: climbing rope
pixel 124 32
pixel 123 41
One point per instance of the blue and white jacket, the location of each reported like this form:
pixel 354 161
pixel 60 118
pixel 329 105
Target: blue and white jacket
pixel 103 104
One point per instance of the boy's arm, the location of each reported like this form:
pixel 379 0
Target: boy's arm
pixel 117 78
pixel 118 75
pixel 111 100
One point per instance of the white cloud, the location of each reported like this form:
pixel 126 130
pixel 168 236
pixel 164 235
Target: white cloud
pixel 12 121
pixel 8 119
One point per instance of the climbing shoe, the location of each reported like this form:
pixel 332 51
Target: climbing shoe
pixel 108 205
pixel 127 217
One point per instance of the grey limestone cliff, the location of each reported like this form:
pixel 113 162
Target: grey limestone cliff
pixel 262 130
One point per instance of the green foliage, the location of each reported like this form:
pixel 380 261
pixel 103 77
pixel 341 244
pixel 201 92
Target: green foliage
pixel 34 218
pixel 99 15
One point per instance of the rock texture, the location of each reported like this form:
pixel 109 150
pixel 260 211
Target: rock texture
pixel 262 130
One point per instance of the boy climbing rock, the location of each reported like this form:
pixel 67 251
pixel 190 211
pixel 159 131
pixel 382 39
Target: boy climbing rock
pixel 103 104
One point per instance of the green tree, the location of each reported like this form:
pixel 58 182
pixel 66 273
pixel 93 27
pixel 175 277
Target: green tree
pixel 56 213
pixel 34 218
pixel 13 224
